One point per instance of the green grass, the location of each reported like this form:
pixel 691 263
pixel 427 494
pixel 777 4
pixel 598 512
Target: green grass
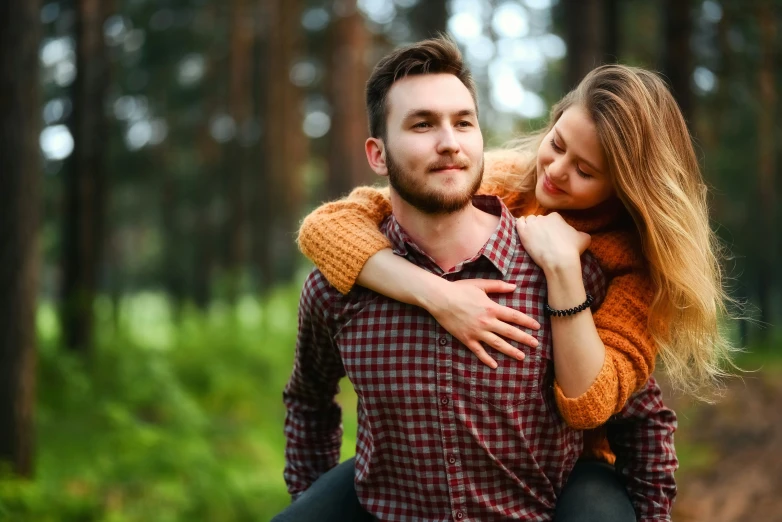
pixel 168 420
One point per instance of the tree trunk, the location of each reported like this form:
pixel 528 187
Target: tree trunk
pixel 612 34
pixel 19 217
pixel 281 186
pixel 347 166
pixel 677 58
pixel 585 35
pixel 213 179
pixel 767 139
pixel 85 184
pixel 429 18
pixel 239 157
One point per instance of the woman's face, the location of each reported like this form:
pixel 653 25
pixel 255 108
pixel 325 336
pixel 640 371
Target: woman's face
pixel 572 169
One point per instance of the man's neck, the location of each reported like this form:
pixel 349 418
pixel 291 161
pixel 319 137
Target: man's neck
pixel 448 239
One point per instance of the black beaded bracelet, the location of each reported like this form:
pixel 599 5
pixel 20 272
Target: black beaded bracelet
pixel 570 311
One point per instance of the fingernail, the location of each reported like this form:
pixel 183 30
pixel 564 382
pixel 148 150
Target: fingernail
pixel 494 366
pixel 537 326
pixel 520 356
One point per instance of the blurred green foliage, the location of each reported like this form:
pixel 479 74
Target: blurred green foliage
pixel 172 419
pixel 179 415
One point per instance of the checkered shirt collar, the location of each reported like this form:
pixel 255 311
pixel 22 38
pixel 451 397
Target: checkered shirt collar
pixel 499 250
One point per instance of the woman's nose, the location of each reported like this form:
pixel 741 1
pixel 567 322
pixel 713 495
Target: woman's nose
pixel 557 169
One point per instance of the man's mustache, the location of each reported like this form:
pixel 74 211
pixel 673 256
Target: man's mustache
pixel 450 164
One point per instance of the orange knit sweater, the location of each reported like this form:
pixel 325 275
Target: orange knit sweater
pixel 340 236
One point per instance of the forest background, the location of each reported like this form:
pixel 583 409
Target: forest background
pixel 156 157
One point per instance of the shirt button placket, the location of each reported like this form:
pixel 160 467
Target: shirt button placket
pixel 459 514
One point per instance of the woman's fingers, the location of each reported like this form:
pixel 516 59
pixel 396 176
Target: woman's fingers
pixel 501 345
pixel 511 332
pixel 476 348
pixel 584 240
pixel 509 315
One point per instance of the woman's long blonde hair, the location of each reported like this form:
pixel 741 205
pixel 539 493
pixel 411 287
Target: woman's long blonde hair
pixel 656 175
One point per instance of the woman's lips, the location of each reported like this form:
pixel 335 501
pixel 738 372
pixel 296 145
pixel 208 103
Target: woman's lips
pixel 549 187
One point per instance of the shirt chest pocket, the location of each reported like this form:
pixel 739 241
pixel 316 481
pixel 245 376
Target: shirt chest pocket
pixel 510 384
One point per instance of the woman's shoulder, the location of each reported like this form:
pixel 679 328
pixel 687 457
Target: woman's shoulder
pixel 505 176
pixel 616 242
pixel 618 250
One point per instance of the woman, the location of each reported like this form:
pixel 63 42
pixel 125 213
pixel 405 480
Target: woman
pixel 616 161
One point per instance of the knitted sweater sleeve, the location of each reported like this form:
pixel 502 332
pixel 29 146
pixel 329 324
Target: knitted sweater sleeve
pixel 339 237
pixel 630 352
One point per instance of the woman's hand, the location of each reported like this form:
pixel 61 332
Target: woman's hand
pixel 465 310
pixel 550 241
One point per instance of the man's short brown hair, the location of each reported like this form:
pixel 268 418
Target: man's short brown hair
pixel 433 56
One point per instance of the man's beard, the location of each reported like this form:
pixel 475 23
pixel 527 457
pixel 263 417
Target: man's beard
pixel 432 202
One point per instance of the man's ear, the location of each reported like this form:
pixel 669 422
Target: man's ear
pixel 376 155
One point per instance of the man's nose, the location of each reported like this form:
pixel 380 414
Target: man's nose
pixel 447 141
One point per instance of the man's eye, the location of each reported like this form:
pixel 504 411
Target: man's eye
pixel 464 123
pixel 421 125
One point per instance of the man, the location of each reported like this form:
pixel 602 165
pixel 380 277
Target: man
pixel 440 435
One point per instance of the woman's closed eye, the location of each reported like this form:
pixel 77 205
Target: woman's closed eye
pixel 578 170
pixel 583 174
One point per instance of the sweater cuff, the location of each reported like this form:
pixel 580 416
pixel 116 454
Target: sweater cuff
pixel 341 263
pixel 593 407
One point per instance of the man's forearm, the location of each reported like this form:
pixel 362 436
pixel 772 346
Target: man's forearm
pixel 313 424
pixel 313 442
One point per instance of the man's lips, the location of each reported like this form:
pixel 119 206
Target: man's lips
pixel 447 168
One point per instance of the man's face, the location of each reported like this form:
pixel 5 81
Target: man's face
pixel 433 145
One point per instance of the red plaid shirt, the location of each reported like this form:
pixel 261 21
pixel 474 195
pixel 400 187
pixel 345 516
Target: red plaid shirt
pixel 440 435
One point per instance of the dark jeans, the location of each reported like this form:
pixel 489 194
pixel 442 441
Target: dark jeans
pixel 331 498
pixel 594 492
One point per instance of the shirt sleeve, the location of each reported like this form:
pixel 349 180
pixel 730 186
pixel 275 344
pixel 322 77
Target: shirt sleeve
pixel 594 279
pixel 339 237
pixel 641 436
pixel 313 424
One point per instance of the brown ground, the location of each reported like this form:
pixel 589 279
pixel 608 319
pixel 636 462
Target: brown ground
pixel 731 454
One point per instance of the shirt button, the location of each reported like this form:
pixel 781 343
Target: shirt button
pixel 443 400
pixel 459 515
pixel 452 459
pixel 443 341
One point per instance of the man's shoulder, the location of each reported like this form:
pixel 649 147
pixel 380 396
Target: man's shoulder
pixel 317 290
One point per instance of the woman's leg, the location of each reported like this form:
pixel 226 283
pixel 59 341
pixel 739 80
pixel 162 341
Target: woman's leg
pixel 331 498
pixel 594 493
